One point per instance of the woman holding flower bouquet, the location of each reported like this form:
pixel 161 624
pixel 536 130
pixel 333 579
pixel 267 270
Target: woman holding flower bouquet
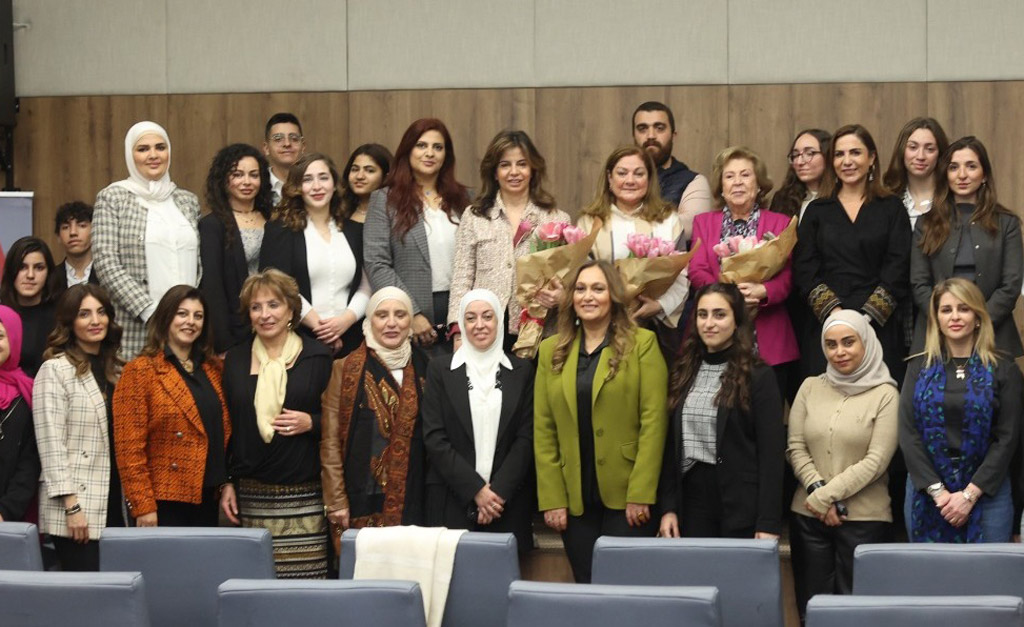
pixel 740 185
pixel 599 418
pixel 499 227
pixel 627 203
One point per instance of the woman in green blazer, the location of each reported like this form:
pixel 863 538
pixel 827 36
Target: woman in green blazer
pixel 599 418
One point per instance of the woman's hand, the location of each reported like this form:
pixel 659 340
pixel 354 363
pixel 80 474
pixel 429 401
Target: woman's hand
pixel 669 526
pixel 146 520
pixel 339 519
pixel 957 509
pixel 753 293
pixel 330 330
pixel 489 505
pixel 422 331
pixel 764 535
pixel 229 503
pixel 78 527
pixel 290 422
pixel 637 514
pixel 647 309
pixel 831 517
pixel 551 294
pixel 557 518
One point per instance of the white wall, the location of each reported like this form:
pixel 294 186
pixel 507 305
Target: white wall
pixel 78 47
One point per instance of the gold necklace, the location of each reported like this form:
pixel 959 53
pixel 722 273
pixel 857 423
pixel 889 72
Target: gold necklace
pixel 188 366
pixel 961 369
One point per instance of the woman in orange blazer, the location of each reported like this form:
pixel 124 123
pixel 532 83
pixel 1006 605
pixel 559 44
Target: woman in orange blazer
pixel 170 425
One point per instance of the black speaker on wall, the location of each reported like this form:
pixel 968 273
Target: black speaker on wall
pixel 8 104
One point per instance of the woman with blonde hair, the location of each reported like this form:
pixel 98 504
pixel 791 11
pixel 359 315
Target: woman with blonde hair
pixel 599 418
pixel 959 414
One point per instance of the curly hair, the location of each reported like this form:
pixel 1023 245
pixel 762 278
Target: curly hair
pixel 404 191
pixel 654 209
pixel 732 153
pixel 489 188
pixel 291 212
pixel 621 326
pixel 16 254
pixel 895 177
pixel 791 193
pixel 223 164
pixel 381 156
pixel 62 340
pixel 735 389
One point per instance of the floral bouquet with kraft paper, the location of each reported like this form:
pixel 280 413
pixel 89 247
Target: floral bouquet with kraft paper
pixel 556 248
pixel 652 266
pixel 747 260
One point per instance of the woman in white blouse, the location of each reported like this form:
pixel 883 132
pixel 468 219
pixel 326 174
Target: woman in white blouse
pixel 145 234
pixel 307 239
pixel 627 202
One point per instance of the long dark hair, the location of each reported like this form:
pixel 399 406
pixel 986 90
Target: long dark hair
pixel 896 175
pixel 735 390
pixel 791 193
pixel 62 340
pixel 381 156
pixel 404 193
pixel 20 249
pixel 489 188
pixel 831 184
pixel 157 329
pixel 291 211
pixel 224 163
pixel 986 211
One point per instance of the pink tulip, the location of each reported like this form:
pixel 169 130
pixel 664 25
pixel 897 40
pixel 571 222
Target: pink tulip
pixel 551 232
pixel 573 234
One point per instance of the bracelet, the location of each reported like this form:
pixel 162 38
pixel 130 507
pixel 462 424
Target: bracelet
pixel 74 509
pixel 968 495
pixel 814 486
pixel 935 489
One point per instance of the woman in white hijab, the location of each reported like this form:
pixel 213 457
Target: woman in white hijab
pixel 842 435
pixel 478 429
pixel 145 234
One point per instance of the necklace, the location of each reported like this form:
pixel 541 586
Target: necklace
pixel 246 217
pixel 8 415
pixel 961 369
pixel 188 366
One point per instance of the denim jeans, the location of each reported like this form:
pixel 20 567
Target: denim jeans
pixel 996 513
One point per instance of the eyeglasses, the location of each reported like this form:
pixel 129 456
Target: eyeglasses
pixel 805 155
pixel 278 138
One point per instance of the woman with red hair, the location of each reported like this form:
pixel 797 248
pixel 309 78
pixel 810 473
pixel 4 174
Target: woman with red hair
pixel 409 240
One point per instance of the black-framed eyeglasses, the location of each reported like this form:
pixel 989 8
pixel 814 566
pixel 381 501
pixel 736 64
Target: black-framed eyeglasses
pixel 802 155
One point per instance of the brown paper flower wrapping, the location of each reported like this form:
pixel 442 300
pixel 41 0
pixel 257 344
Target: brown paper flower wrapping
pixel 533 272
pixel 652 276
pixel 762 263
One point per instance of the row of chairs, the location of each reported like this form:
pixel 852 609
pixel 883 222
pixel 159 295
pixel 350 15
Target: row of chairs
pixel 184 567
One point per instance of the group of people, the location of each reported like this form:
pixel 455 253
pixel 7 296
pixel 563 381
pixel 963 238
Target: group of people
pixel 329 349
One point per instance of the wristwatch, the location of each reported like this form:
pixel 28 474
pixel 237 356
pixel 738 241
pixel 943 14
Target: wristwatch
pixel 968 495
pixel 935 489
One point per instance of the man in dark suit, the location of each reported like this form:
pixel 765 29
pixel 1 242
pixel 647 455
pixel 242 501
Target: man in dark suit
pixel 73 225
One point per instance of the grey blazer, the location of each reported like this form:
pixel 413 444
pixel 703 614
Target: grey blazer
pixel 389 261
pixel 999 270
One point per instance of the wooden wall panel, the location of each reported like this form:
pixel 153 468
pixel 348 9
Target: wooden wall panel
pixel 70 147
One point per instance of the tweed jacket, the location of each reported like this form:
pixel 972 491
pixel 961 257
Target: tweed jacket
pixel 998 272
pixel 395 261
pixel 119 256
pixel 70 417
pixel 159 437
pixel 630 424
pixel 486 258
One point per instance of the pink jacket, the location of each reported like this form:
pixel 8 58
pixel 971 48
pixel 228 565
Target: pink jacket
pixel 775 337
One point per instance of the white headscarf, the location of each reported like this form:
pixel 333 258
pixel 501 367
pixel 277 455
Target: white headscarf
pixel 485 396
pixel 872 371
pixel 148 191
pixel 393 358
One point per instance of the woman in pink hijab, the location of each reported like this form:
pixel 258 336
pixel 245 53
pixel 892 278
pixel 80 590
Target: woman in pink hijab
pixel 19 459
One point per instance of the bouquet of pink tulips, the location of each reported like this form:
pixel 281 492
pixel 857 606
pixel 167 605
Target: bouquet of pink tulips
pixel 652 266
pixel 747 260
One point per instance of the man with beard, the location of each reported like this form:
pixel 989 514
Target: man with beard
pixel 654 128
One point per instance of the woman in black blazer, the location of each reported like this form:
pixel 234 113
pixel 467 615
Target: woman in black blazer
pixel 478 429
pixel 307 239
pixel 239 197
pixel 988 253
pixel 724 457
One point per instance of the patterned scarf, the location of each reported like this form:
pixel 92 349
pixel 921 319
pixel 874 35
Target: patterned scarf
pixel 927 523
pixel 742 228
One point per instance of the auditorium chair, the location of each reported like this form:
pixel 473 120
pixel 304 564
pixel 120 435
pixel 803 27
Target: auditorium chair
pixel 364 603
pixel 747 573
pixel 19 546
pixel 539 604
pixel 485 565
pixel 827 610
pixel 184 565
pixel 939 569
pixel 45 599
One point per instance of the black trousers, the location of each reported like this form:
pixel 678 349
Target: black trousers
pixel 75 557
pixel 582 532
pixel 178 514
pixel 823 555
pixel 700 514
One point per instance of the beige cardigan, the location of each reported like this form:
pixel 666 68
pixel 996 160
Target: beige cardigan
pixel 846 441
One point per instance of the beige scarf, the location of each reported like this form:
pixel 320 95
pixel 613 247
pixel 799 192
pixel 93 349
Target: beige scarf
pixel 271 381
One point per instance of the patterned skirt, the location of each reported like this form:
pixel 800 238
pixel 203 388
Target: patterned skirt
pixel 294 515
